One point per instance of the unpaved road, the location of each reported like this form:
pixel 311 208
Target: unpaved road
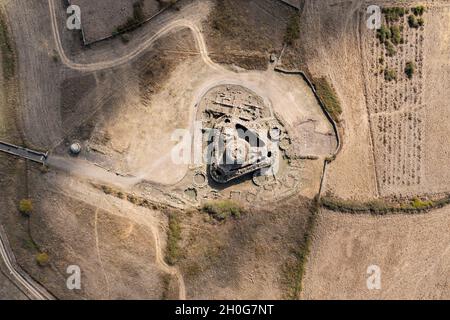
pixel 33 289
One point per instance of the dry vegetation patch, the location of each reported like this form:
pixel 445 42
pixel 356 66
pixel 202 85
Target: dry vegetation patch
pixel 173 238
pixel 385 206
pixel 328 96
pixel 7 51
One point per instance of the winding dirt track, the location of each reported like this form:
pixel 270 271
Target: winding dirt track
pixel 34 289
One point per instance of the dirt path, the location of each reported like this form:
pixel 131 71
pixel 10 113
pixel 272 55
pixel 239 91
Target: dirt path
pixel 85 169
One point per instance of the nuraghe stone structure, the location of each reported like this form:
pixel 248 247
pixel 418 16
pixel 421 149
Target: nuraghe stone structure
pixel 241 131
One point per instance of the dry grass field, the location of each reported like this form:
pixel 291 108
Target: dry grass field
pixel 413 252
pixel 436 92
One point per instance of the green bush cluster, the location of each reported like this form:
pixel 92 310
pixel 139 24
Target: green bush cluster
pixel 384 33
pixel 394 14
pixel 329 98
pixel 410 68
pixel 6 50
pixel 391 34
pixel 25 206
pixel 222 209
pixel 293 271
pixel 396 34
pixel 390 74
pixel 390 37
pixel 42 259
pixel 292 29
pixel 418 11
pixel 390 49
pixel 421 204
pixel 173 239
pixel 383 207
pixel 415 22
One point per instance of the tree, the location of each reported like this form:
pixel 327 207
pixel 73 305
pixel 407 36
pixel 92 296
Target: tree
pixel 412 21
pixel 410 69
pixel 390 74
pixel 42 259
pixel 25 206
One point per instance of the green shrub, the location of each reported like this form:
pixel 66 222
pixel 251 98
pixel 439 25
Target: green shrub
pixel 421 22
pixel 42 259
pixel 222 209
pixel 394 14
pixel 6 50
pixel 173 239
pixel 413 22
pixel 396 35
pixel 410 68
pixel 390 49
pixel 292 29
pixel 107 189
pixel 138 11
pixel 381 207
pixel 384 34
pixel 329 97
pixel 26 206
pixel 133 199
pixel 420 204
pixel 418 11
pixel 390 74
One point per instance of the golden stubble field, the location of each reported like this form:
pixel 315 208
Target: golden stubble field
pixel 413 253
